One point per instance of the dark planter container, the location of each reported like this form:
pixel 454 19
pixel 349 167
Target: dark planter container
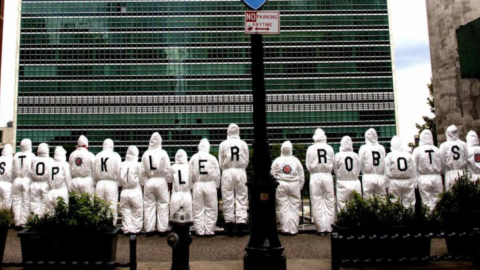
pixel 461 222
pixel 69 247
pixel 379 246
pixel 3 241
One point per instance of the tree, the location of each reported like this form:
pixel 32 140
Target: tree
pixel 430 122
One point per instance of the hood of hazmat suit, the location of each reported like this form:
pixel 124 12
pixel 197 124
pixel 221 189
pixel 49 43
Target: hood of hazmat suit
pixel 6 171
pixel 108 145
pixel 155 141
pixel 7 150
pixel 60 157
pixel 41 164
pixel 319 136
pixel 82 142
pixel 372 155
pixel 288 170
pixel 454 154
pixel 42 150
pixel 131 198
pixel 204 172
pixel 81 160
pixel 107 164
pixel 396 144
pixel 426 138
pixel 181 186
pixel 320 155
pixel 60 154
pixel 473 160
pixel 233 132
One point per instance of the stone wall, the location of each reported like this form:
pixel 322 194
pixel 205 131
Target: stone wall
pixel 8 137
pixel 457 100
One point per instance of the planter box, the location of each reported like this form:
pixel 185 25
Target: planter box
pixel 69 247
pixel 461 222
pixel 374 249
pixel 3 241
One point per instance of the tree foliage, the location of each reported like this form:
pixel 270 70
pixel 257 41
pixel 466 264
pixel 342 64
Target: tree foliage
pixel 429 122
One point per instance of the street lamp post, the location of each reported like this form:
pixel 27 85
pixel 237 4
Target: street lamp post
pixel 264 250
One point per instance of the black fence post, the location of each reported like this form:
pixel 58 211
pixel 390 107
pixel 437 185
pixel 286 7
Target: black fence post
pixel 133 252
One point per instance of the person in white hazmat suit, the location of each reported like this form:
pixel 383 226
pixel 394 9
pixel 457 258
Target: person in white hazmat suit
pixel 400 173
pixel 429 168
pixel 81 166
pixel 131 198
pixel 288 171
pixel 156 196
pixel 58 179
pixel 347 168
pixel 372 159
pixel 6 177
pixel 473 160
pixel 454 156
pixel 233 157
pixel 22 164
pixel 107 175
pixel 205 175
pixel 319 162
pixel 39 187
pixel 181 184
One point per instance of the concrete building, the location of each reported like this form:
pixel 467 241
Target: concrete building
pixel 457 100
pixel 7 135
pixel 125 69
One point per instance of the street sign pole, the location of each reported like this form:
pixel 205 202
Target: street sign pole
pixel 264 250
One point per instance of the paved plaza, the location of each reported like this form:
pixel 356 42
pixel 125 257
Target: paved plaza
pixel 303 251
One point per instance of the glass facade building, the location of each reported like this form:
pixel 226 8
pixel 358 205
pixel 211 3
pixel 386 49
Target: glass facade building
pixel 127 68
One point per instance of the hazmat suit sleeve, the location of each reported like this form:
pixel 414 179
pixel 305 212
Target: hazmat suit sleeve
pixel 274 168
pixel 220 155
pixel 387 171
pixel 142 175
pixel 247 155
pixel 301 174
pixel 217 174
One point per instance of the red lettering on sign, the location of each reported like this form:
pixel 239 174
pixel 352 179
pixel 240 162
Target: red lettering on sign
pixel 251 16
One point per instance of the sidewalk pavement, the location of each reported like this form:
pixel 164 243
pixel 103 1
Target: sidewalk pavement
pixel 303 251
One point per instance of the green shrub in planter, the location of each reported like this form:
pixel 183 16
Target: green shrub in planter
pixel 459 209
pixel 80 231
pixel 83 213
pixel 6 219
pixel 381 224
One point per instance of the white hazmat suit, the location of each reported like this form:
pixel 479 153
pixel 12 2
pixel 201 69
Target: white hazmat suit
pixel 473 160
pixel 319 162
pixel 81 166
pixel 22 164
pixel 372 159
pixel 39 188
pixel 454 156
pixel 205 175
pixel 429 168
pixel 233 157
pixel 347 169
pixel 6 177
pixel 107 176
pixel 400 173
pixel 156 196
pixel 288 171
pixel 131 198
pixel 58 179
pixel 181 185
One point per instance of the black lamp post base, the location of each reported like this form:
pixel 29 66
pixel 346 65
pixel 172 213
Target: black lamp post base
pixel 265 261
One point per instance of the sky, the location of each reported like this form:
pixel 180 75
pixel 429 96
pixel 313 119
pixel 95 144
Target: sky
pixel 411 52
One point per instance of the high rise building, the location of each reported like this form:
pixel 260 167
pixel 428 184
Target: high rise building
pixel 125 69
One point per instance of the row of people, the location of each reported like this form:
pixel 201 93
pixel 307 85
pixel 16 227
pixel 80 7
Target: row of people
pixel 399 172
pixel 202 174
